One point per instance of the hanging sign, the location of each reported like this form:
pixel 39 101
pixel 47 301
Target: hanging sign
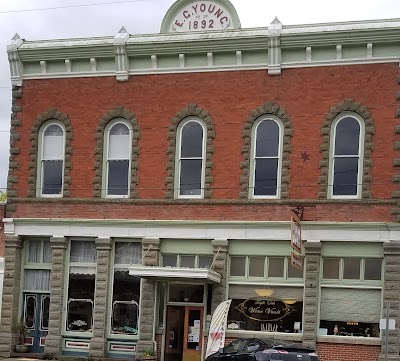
pixel 296 261
pixel 295 232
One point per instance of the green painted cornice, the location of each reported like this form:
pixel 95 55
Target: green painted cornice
pixel 273 48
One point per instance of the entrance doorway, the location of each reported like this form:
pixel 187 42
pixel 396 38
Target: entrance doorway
pixel 36 317
pixel 184 333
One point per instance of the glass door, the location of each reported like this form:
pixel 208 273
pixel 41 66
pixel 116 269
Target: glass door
pixel 36 317
pixel 193 336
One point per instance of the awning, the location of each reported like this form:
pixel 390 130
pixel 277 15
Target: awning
pixel 175 273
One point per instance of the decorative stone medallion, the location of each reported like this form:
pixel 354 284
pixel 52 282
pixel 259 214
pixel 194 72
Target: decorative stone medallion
pixel 201 15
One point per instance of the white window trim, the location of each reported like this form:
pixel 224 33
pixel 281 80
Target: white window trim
pixel 253 158
pixel 106 141
pixel 39 177
pixel 361 141
pixel 178 159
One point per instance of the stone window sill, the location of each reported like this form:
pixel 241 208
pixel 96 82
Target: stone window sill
pixel 295 337
pixel 350 340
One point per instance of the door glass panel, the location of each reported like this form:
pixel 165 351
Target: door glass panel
pixel 30 307
pixel 186 293
pixel 194 330
pixel 44 316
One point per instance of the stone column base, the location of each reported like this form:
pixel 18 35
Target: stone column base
pixel 53 345
pixel 5 345
pixel 97 347
pixel 389 357
pixel 143 346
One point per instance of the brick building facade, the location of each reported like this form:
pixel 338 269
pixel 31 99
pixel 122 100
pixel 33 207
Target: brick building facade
pixel 152 177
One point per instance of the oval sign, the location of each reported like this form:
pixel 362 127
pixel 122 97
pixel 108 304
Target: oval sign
pixel 264 310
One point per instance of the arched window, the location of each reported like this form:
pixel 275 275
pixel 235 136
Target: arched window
pixel 51 169
pixel 266 159
pixel 347 143
pixel 190 154
pixel 117 159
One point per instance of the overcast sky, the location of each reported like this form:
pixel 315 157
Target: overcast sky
pixel 145 16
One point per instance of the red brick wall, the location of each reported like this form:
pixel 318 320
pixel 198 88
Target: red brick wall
pixel 338 352
pixel 306 93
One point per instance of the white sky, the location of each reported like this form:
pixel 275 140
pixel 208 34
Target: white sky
pixel 145 16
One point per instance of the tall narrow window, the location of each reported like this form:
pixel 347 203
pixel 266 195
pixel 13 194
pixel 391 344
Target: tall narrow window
pixel 346 160
pixel 118 158
pixel 266 152
pixel 52 160
pixel 191 157
pixel 126 289
pixel 81 286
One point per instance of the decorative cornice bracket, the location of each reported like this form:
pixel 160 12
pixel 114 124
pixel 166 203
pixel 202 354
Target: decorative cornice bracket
pixel 14 60
pixel 121 57
pixel 274 47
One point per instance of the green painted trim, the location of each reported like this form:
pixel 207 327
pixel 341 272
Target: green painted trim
pixel 180 4
pixel 182 246
pixel 259 248
pixel 347 249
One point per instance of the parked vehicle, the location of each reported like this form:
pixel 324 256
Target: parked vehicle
pixel 254 349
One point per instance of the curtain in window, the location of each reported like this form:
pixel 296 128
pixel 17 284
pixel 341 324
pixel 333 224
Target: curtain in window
pixel 83 251
pixel 37 280
pixel 118 155
pixel 34 251
pixel 46 252
pixel 52 159
pixel 128 253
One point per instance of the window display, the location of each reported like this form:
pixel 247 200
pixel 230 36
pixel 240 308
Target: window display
pixel 264 314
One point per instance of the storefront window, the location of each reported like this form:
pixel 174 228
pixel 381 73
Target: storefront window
pixel 265 314
pixel 81 286
pixel 360 308
pixel 80 302
pixel 125 306
pixel 126 289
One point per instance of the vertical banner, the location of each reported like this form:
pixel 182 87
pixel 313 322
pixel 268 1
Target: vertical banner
pixel 216 335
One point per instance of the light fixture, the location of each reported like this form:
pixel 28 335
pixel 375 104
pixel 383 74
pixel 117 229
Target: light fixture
pixel 264 292
pixel 289 301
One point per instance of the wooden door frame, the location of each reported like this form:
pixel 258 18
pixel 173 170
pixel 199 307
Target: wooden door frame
pixel 186 330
